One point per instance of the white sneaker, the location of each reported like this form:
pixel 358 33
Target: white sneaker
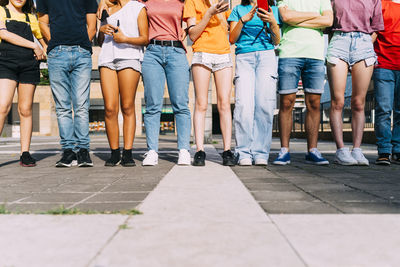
pixel 184 157
pixel 151 158
pixel 344 157
pixel 359 157
pixel 245 162
pixel 261 162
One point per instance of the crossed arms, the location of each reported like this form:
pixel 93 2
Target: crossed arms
pixel 312 20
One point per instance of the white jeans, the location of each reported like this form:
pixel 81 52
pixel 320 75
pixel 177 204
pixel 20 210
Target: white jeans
pixel 255 84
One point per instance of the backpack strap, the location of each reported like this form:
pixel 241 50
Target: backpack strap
pixel 27 18
pixel 8 14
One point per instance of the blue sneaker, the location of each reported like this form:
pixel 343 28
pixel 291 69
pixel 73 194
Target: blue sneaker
pixel 283 157
pixel 315 157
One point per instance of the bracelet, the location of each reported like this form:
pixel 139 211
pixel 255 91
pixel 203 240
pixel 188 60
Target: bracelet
pixel 188 28
pixel 242 21
pixel 3 29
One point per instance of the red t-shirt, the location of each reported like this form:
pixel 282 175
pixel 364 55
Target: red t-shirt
pixel 387 45
pixel 165 19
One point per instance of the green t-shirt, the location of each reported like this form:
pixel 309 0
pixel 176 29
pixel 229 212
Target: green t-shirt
pixel 299 42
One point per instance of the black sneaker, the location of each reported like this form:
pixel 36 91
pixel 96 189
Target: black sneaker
pixel 199 158
pixel 68 159
pixel 26 160
pixel 127 159
pixel 84 158
pixel 228 159
pixel 383 159
pixel 396 158
pixel 115 158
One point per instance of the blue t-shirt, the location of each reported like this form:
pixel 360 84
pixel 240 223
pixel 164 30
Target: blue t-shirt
pixel 244 43
pixel 68 21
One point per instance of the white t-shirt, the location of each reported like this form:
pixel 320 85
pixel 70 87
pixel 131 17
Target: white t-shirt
pixel 127 17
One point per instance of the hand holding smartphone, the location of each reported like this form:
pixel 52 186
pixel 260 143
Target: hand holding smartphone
pixel 263 4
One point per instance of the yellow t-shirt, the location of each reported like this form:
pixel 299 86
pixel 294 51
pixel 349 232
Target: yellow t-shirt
pixel 21 17
pixel 214 38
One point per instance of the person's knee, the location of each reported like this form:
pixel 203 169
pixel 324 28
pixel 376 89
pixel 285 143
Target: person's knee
pixel 357 104
pixel 128 109
pixel 5 109
pixel 201 105
pixel 286 104
pixel 224 106
pixel 25 111
pixel 111 111
pixel 337 104
pixel 313 104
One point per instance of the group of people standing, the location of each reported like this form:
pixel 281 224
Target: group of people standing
pixel 145 39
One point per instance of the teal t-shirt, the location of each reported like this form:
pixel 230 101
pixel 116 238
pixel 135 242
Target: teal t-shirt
pixel 299 42
pixel 244 43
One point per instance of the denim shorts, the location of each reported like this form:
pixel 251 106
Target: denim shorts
pixel 351 47
pixel 311 71
pixel 214 62
pixel 121 64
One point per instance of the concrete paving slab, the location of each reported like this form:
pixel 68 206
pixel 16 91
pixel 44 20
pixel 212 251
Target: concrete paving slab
pixel 49 241
pixel 199 217
pixel 343 240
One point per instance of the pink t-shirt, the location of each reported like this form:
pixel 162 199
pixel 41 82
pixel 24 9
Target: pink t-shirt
pixel 165 19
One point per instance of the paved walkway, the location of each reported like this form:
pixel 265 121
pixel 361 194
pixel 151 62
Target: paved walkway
pixel 212 216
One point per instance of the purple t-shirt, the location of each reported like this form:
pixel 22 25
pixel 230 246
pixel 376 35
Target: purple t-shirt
pixel 357 16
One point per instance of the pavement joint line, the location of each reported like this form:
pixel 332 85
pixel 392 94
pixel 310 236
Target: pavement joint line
pixel 308 193
pixel 288 241
pixel 95 194
pixel 108 241
pixel 63 202
pixel 19 200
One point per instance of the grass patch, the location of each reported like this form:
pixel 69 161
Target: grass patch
pixel 123 226
pixel 215 142
pixel 61 210
pixel 3 209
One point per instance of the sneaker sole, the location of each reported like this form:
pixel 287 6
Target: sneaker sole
pixel 345 163
pixel 386 163
pixel 112 165
pixel 149 164
pixel 281 163
pixel 128 165
pixel 363 164
pixel 199 164
pixel 317 163
pixel 27 165
pixel 85 165
pixel 64 165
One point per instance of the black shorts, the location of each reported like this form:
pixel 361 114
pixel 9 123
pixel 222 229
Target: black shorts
pixel 23 69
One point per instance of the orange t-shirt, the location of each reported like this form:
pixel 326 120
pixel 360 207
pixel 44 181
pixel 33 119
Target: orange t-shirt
pixel 214 38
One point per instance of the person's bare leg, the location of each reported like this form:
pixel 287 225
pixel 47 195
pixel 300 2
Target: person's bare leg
pixel 128 80
pixel 313 118
pixel 109 88
pixel 361 78
pixel 25 102
pixel 337 76
pixel 7 89
pixel 201 80
pixel 223 82
pixel 286 118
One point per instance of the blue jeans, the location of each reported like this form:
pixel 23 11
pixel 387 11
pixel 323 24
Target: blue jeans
pixel 162 63
pixel 387 97
pixel 70 69
pixel 255 91
pixel 311 71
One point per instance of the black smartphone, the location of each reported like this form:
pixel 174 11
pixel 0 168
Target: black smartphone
pixel 104 15
pixel 117 26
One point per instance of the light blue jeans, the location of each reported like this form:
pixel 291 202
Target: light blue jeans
pixel 387 98
pixel 162 63
pixel 70 69
pixel 255 85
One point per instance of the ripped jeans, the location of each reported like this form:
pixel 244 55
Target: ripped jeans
pixel 351 47
pixel 255 86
